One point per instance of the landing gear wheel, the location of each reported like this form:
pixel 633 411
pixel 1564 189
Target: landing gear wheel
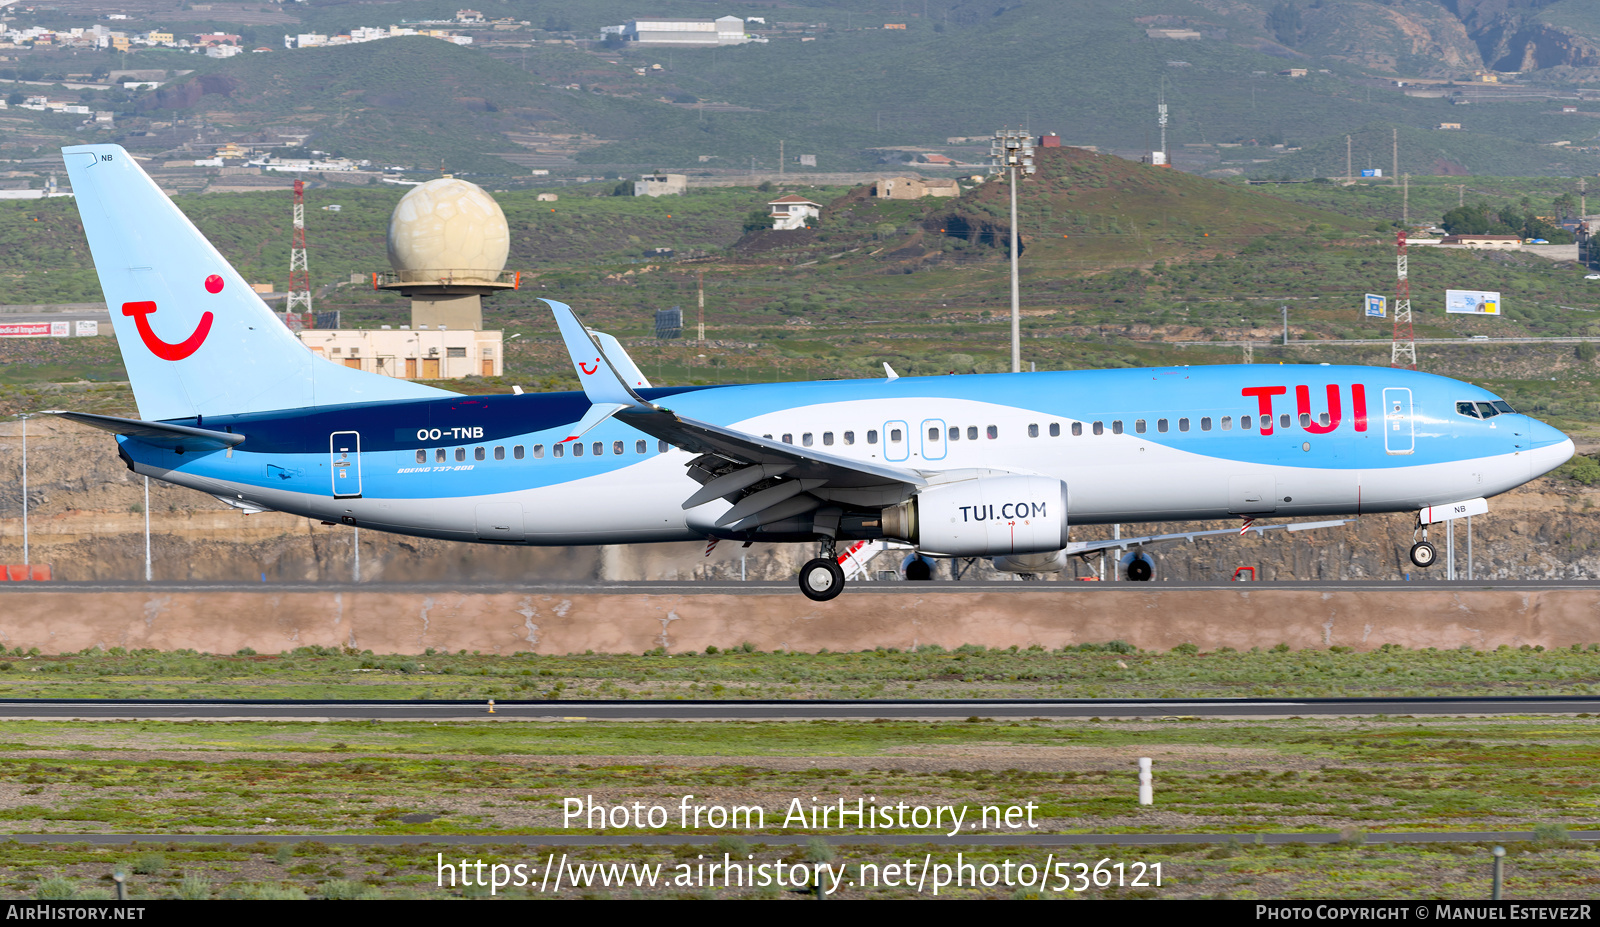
pixel 821 579
pixel 1423 554
pixel 1140 571
pixel 919 569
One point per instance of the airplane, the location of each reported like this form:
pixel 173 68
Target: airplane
pixel 995 466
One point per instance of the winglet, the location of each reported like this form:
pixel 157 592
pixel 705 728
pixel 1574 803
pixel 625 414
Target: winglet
pixel 600 379
pixel 626 368
pixel 889 371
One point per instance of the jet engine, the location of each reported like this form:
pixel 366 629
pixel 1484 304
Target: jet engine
pixel 983 517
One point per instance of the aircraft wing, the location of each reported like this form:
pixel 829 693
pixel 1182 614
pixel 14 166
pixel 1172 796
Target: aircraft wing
pixel 730 461
pixel 161 434
pixel 1084 548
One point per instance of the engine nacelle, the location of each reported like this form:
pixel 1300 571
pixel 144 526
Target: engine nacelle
pixel 983 517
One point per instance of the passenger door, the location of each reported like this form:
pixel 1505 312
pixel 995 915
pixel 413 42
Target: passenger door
pixel 1399 431
pixel 344 458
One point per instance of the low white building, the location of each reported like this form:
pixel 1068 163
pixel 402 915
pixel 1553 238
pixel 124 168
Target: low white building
pixel 659 184
pixel 1500 242
pixel 728 30
pixel 793 212
pixel 411 354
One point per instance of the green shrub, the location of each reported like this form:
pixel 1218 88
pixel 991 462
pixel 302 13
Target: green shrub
pixel 56 888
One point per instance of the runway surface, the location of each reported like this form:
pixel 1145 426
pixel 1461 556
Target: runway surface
pixel 1431 582
pixel 781 710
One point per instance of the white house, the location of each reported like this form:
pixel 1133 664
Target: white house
pixel 792 212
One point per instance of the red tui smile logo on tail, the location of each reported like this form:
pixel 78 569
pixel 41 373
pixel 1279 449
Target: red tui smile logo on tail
pixel 164 350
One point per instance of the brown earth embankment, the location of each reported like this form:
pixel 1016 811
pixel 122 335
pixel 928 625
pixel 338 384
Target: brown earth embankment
pixel 59 620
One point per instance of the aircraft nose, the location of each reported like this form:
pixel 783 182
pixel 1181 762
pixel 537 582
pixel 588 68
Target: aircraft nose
pixel 1548 448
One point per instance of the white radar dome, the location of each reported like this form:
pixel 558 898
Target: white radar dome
pixel 448 229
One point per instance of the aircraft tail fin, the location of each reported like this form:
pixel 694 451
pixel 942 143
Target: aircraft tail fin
pixel 195 339
pixel 602 381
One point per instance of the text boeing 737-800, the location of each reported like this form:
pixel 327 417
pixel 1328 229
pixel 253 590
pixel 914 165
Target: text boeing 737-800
pixel 994 466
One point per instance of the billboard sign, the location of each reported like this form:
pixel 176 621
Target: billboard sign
pixel 36 330
pixel 1372 172
pixel 87 328
pixel 1377 306
pixel 1472 302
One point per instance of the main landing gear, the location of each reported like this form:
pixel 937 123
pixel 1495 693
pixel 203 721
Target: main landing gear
pixel 822 579
pixel 1423 554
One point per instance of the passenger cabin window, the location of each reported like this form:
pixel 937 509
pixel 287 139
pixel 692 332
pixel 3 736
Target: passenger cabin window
pixel 499 453
pixel 1323 419
pixel 577 448
pixel 1305 419
pixel 827 439
pixel 1138 425
pixel 805 439
pixel 895 435
pixel 788 438
pixel 558 450
pixel 933 434
pixel 872 436
pixel 1161 425
pixel 639 446
pixel 1283 420
pixel 849 437
pixel 517 451
pixel 616 447
pixel 438 456
pixel 661 445
pixel 1033 431
pixel 1077 429
pixel 1116 427
pixel 1205 423
pixel 461 454
pixel 422 456
pixel 993 432
pixel 972 432
pixel 955 433
pixel 1245 422
pixel 478 454
pixel 1227 423
pixel 1099 428
pixel 599 448
pixel 1055 429
pixel 1183 424
pixel 1266 421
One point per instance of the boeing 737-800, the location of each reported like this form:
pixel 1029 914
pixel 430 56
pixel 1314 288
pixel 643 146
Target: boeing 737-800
pixel 995 466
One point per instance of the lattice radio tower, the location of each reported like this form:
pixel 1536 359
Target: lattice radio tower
pixel 1404 351
pixel 299 275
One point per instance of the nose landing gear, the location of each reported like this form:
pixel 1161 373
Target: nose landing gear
pixel 1423 554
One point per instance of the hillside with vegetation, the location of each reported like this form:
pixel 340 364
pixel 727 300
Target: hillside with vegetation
pixel 860 96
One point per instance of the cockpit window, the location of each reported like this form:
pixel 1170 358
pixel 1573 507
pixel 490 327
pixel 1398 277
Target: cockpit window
pixel 1468 409
pixel 1504 407
pixel 1487 410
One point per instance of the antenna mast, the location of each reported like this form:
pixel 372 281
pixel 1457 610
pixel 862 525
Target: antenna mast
pixel 1403 353
pixel 299 275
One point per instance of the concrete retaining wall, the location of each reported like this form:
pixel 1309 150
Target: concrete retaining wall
pixel 552 622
